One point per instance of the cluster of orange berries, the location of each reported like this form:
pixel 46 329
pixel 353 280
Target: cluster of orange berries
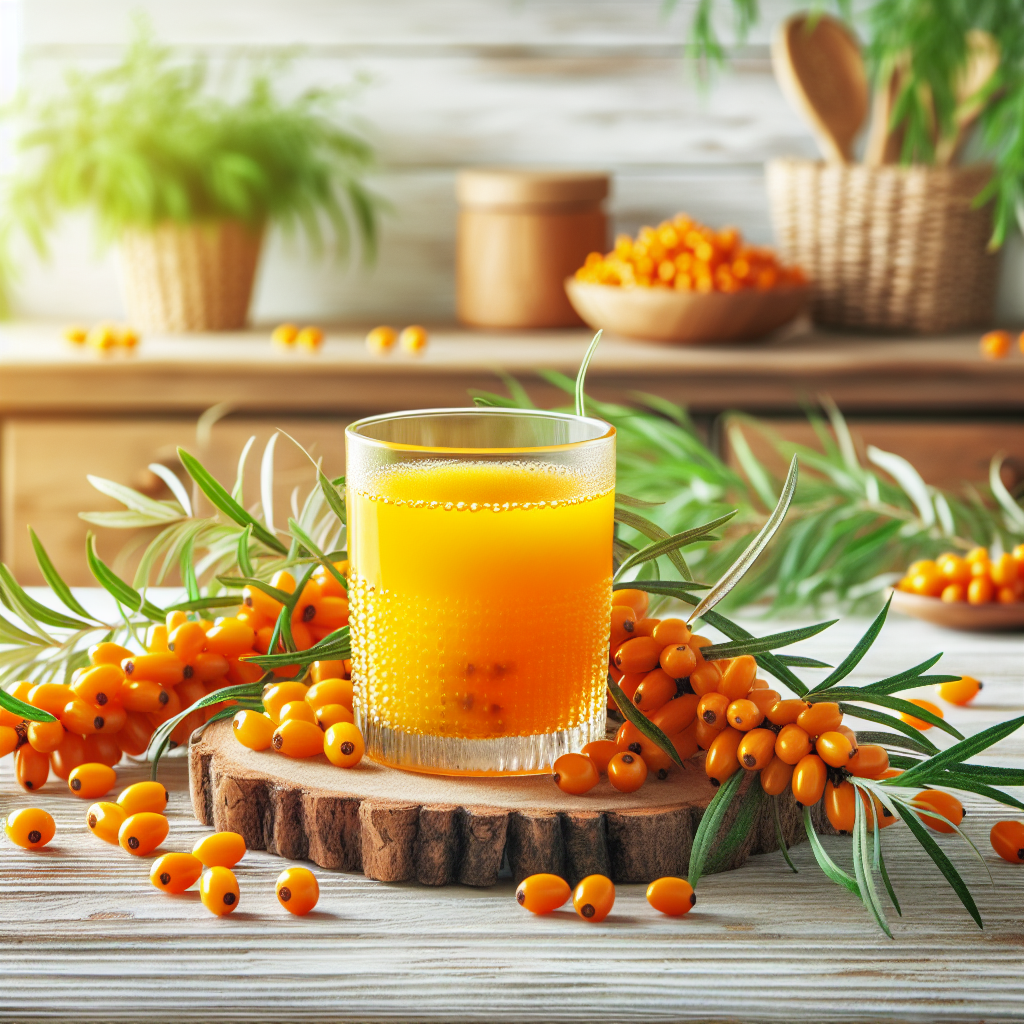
pixel 594 897
pixel 975 577
pixel 687 256
pixel 103 337
pixel 292 336
pixel 137 823
pixel 997 344
pixel 412 340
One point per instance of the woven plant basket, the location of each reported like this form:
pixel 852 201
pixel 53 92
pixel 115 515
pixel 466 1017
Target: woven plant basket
pixel 189 277
pixel 887 248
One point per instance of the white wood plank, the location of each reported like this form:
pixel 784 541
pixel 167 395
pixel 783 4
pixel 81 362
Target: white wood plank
pixel 85 937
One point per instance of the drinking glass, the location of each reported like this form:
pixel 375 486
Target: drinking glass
pixel 480 548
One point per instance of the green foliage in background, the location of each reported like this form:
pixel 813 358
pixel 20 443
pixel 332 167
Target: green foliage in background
pixel 155 139
pixel 927 39
pixel 851 530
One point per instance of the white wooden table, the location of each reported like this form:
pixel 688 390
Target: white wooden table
pixel 85 937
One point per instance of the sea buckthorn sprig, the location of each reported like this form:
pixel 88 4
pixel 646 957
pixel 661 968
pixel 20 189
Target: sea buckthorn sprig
pixel 687 256
pixel 976 577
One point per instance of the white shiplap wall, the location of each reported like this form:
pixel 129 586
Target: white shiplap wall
pixel 450 83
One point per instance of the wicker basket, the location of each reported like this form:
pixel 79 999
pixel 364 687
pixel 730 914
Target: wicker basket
pixel 888 248
pixel 189 277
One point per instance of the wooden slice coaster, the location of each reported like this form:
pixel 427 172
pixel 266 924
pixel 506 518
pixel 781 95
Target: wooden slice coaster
pixel 396 826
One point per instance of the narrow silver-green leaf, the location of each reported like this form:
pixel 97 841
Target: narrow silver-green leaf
pixel 779 837
pixel 739 831
pixel 242 556
pixel 116 587
pixel 53 578
pixel 890 739
pixel 334 500
pixel 18 707
pixel 710 823
pixel 672 543
pixel 631 502
pixel 761 644
pixel 653 532
pixel 960 752
pixel 853 659
pixel 825 862
pixel 846 694
pixel 581 376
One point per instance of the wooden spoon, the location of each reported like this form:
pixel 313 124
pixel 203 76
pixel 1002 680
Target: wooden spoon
pixel 982 64
pixel 817 62
pixel 884 144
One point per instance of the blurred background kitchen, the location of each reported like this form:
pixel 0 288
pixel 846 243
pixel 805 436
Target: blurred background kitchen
pixel 433 88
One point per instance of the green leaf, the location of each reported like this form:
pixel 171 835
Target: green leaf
pixel 116 587
pixel 680 589
pixel 710 823
pixel 53 578
pixel 845 694
pixel 853 659
pixel 631 502
pixel 335 646
pixel 954 755
pixel 889 739
pixel 881 718
pixel 891 684
pixel 220 499
pixel 653 532
pixel 825 862
pixel 157 511
pixel 308 543
pixel 739 832
pixel 18 707
pixel 673 543
pixel 862 866
pixel 242 555
pixel 21 604
pixel 335 500
pixel 942 862
pixel 888 884
pixel 11 634
pixel 739 568
pixel 779 837
pixel 761 644
pixel 970 784
pixel 581 376
pixel 644 725
pixel 240 582
pixel 188 570
pixel 798 661
pixel 202 603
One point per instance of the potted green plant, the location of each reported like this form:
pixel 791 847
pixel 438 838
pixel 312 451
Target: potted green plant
pixel 907 238
pixel 186 181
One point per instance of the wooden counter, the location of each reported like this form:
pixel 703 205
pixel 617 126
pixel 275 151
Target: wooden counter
pixel 66 412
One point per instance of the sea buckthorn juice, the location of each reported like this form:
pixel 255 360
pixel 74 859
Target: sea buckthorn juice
pixel 480 548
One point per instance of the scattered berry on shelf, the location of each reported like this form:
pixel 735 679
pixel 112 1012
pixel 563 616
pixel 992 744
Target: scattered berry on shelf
pixel 175 872
pixel 673 897
pixel 594 898
pixel 297 890
pixel 1007 839
pixel 218 890
pixel 221 849
pixel 30 828
pixel 542 893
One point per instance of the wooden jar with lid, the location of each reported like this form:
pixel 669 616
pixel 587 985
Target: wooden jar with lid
pixel 520 234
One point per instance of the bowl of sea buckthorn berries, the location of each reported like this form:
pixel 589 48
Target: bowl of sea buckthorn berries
pixel 977 590
pixel 683 283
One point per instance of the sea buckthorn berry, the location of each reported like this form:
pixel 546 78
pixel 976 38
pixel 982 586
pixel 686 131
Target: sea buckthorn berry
pixel 9 739
pixel 792 743
pixel 104 820
pixel 575 773
pixel 140 834
pixel 671 896
pixel 275 697
pixel 980 590
pixel 712 709
pixel 343 745
pixel 646 627
pixel 786 712
pixel 174 619
pixel 157 640
pixel 310 338
pixel 672 632
pixel 1007 838
pixel 819 718
pixel 721 760
pixel 738 678
pixel 953 593
pixel 776 776
pixel 230 638
pixel 685 743
pixel 381 340
pixel 91 780
pixel 298 711
pixel 697 643
pixel 175 872
pixel 629 737
pixel 297 890
pixel 163 668
pixel 108 653
pixel 99 685
pixel 840 805
pixel 705 678
pixel 543 893
pixel 135 734
pixel 659 762
pixel 760 684
pixel 640 654
pixel 623 624
pixel 45 737
pixel 995 344
pixel 219 891
pixel 332 714
pixel 678 661
pixel 208 667
pixel 627 771
pixel 413 339
pixel 638 600
pixel 942 803
pixel 868 761
pixel 82 718
pixel 704 734
pixel 69 755
pixel 629 681
pixel 30 828
pixel 284 335
pixel 756 749
pixel 1003 570
pixel 594 898
pixel 920 723
pixel 31 768
pixel 143 696
pixel 187 641
pixel 744 715
pixel 835 749
pixel 20 691
pixel 144 796
pixel 961 691
pixel 764 698
pixel 49 697
pixel 677 714
pixel 220 849
pixel 600 752
pixel 321 671
pixel 656 690
pixel 296 738
pixel 809 777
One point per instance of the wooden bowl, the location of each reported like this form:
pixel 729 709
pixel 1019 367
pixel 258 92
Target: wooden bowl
pixel 685 318
pixel 978 618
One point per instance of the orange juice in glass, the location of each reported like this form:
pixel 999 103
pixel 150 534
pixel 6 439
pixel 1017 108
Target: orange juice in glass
pixel 480 548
